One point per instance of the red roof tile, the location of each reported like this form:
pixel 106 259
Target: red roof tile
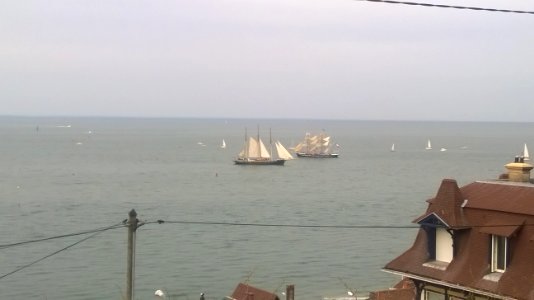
pixel 248 292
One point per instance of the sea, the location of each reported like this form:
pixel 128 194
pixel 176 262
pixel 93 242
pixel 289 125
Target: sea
pixel 325 226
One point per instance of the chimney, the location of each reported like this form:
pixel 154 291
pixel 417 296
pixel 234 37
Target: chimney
pixel 519 171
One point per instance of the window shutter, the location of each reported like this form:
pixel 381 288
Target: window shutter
pixel 431 241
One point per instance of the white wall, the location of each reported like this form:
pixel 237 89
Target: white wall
pixel 443 245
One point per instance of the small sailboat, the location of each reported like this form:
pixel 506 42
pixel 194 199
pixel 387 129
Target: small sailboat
pixel 223 144
pixel 254 152
pixel 443 149
pixel 526 156
pixel 428 145
pixel 393 147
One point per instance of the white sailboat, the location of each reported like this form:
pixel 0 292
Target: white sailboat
pixel 428 145
pixel 223 144
pixel 393 147
pixel 254 152
pixel 526 156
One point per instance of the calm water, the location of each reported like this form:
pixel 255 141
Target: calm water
pixel 59 179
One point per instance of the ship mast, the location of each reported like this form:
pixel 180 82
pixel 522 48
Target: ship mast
pixel 259 141
pixel 246 144
pixel 271 144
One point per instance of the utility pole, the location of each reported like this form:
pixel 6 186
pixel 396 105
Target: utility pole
pixel 132 227
pixel 290 292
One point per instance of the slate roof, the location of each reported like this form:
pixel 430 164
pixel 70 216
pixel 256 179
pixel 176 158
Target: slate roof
pixel 474 212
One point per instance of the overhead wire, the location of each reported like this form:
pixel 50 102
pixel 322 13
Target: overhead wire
pixel 123 224
pixel 282 225
pixel 451 6
pixel 95 233
pixel 119 225
pixel 321 226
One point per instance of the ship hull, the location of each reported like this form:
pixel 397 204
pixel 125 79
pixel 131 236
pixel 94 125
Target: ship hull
pixel 309 155
pixel 277 162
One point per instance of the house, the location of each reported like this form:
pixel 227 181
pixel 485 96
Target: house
pixel 475 242
pixel 245 291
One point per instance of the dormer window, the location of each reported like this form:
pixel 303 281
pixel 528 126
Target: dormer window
pixel 440 244
pixel 499 253
pixel 439 237
pixel 500 233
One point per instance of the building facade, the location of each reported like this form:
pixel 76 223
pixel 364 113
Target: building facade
pixel 475 242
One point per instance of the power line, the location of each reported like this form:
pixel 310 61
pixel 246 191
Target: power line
pixel 452 6
pixel 119 225
pixel 287 225
pixel 56 252
pixel 122 224
pixel 323 226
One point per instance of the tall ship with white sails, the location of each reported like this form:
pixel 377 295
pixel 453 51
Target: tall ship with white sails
pixel 316 146
pixel 254 152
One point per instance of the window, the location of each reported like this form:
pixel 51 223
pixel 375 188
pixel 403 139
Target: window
pixel 440 244
pixel 440 237
pixel 430 295
pixel 499 253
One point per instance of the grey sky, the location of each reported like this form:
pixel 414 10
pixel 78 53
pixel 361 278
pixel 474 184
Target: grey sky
pixel 335 59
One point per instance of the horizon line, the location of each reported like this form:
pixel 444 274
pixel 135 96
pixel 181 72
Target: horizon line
pixel 253 118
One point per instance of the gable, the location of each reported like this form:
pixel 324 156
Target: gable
pixel 431 220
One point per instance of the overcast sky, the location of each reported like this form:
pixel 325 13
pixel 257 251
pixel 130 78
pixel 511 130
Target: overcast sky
pixel 328 59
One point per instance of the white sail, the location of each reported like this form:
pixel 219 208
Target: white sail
pixel 313 139
pixel 253 149
pixel 300 147
pixel 315 148
pixel 223 145
pixel 393 148
pixel 314 144
pixel 282 151
pixel 428 145
pixel 319 145
pixel 325 144
pixel 254 152
pixel 245 153
pixel 263 153
pixel 526 156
